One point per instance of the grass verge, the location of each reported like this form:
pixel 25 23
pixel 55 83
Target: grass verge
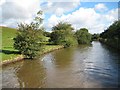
pixel 7 51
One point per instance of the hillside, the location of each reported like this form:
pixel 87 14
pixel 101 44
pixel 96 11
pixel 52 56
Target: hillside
pixel 7 37
pixel 8 52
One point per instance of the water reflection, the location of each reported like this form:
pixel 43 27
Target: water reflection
pixel 64 58
pixel 58 68
pixel 31 74
pixel 9 78
pixel 102 66
pixel 75 67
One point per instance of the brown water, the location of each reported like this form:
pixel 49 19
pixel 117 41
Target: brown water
pixel 78 67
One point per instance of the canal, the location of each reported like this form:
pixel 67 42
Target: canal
pixel 94 66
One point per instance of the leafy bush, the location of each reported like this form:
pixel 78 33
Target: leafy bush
pixel 29 38
pixel 83 36
pixel 62 35
pixel 70 41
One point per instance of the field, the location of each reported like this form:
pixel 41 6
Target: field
pixel 7 50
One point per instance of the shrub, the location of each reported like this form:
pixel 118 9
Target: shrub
pixel 29 38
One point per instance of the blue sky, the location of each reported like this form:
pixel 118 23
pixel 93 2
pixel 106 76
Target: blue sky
pixel 95 15
pixel 110 5
pixel 104 14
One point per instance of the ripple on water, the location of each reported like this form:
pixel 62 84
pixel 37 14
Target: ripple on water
pixel 81 67
pixel 6 76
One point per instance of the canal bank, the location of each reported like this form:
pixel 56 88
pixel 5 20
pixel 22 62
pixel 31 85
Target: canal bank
pixel 111 43
pixel 47 49
pixel 77 67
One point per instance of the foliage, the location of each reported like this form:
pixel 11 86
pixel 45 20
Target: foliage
pixel 29 37
pixel 95 36
pixel 111 36
pixel 63 35
pixel 113 31
pixel 70 41
pixel 83 36
pixel 47 34
pixel 63 26
pixel 8 51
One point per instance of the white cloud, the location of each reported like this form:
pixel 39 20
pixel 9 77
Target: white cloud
pixel 18 10
pixel 101 7
pixel 88 18
pixel 59 11
pixel 2 1
pixel 49 4
pixel 59 8
pixel 53 20
pixel 24 10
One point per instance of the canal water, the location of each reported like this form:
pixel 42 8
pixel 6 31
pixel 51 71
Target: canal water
pixel 94 66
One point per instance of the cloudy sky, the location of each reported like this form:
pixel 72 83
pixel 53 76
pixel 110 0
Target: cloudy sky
pixel 95 15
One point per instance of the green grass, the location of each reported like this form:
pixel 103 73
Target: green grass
pixel 48 48
pixel 8 51
pixel 7 37
pixel 7 43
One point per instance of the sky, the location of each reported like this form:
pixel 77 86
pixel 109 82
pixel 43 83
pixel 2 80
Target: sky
pixel 95 15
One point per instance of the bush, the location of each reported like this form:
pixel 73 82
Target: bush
pixel 29 38
pixel 62 35
pixel 69 42
pixel 83 36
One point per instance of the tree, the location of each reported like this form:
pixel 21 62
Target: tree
pixel 95 36
pixel 29 37
pixel 47 34
pixel 83 36
pixel 62 34
pixel 111 36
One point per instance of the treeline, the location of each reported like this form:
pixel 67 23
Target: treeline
pixel 111 36
pixel 63 34
pixel 31 37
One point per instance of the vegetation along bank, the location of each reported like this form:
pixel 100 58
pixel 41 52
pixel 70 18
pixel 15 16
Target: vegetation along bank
pixel 111 36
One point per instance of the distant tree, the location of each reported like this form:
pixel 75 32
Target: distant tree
pixel 29 37
pixel 63 34
pixel 95 36
pixel 83 36
pixel 47 34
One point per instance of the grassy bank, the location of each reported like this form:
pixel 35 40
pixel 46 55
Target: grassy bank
pixel 49 48
pixel 7 51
